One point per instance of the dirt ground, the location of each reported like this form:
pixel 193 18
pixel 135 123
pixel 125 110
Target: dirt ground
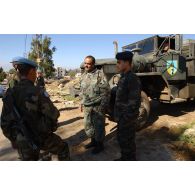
pixel 153 142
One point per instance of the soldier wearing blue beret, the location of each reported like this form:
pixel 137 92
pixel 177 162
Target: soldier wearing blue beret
pixel 29 118
pixel 127 103
pixel 16 61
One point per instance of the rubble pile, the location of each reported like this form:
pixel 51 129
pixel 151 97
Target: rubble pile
pixel 59 91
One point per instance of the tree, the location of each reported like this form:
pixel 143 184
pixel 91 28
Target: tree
pixel 2 74
pixel 42 53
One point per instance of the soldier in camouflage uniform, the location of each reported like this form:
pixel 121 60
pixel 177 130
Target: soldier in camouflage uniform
pixel 37 113
pixel 127 103
pixel 40 79
pixel 15 77
pixel 95 93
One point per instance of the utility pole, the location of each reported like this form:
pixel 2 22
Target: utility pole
pixel 25 40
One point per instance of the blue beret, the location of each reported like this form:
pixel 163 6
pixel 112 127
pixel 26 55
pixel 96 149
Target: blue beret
pixel 24 61
pixel 125 55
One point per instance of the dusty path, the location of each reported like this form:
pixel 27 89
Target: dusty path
pixel 153 142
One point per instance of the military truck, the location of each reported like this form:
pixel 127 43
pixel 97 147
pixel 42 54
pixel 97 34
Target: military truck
pixel 166 68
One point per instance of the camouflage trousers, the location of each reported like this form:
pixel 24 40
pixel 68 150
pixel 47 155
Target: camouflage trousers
pixel 94 123
pixel 126 140
pixel 52 143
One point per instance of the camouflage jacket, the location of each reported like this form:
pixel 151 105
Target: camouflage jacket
pixel 128 97
pixel 95 89
pixel 34 106
pixel 14 80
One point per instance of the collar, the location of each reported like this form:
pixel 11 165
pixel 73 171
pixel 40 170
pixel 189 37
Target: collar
pixel 25 80
pixel 125 73
pixel 94 70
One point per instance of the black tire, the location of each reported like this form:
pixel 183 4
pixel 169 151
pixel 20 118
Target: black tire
pixel 144 111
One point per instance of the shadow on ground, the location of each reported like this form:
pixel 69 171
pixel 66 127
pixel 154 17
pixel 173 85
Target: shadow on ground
pixel 175 110
pixel 151 149
pixel 67 122
pixel 68 108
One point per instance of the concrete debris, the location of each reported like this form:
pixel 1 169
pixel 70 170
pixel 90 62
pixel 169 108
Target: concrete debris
pixel 69 103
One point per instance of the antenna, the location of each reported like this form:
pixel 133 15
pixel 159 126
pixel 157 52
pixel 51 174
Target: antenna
pixel 25 41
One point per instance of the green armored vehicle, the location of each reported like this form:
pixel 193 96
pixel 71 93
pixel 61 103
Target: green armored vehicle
pixel 166 68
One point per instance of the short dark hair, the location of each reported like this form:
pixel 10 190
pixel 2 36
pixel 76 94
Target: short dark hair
pixel 23 69
pixel 92 58
pixel 125 56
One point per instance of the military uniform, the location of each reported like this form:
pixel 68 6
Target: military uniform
pixel 126 111
pixel 40 82
pixel 39 116
pixel 95 94
pixel 14 80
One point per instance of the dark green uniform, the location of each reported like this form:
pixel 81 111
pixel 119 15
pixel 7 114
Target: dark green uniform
pixel 127 103
pixel 39 117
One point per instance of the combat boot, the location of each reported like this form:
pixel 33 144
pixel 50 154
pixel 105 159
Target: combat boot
pixel 98 148
pixel 91 144
pixel 65 154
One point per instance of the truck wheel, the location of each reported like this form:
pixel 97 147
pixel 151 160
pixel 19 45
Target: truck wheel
pixel 144 111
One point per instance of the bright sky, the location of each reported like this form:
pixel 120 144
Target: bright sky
pixel 71 49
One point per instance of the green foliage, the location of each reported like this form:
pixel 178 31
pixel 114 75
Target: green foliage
pixel 190 139
pixel 41 49
pixel 187 139
pixel 176 131
pixel 2 74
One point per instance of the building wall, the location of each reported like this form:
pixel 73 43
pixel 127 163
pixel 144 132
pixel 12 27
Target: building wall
pixel 60 72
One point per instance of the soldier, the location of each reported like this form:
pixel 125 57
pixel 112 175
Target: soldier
pixel 127 103
pixel 40 80
pixel 29 118
pixel 95 98
pixel 15 77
